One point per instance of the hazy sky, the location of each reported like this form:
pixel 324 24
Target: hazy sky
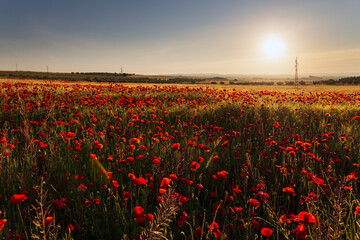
pixel 180 36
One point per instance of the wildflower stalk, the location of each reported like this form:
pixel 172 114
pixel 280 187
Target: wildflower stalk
pixel 163 216
pixel 192 234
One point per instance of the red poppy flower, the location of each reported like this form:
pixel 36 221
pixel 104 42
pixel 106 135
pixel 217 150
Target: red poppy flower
pixel 214 227
pixel 276 125
pixel 222 175
pixel 287 218
pixel 165 182
pixel 127 195
pixel 48 220
pixel 79 177
pixel 216 158
pixel 183 219
pixel 156 161
pixel 98 146
pixel 131 176
pixel 306 218
pixel 60 203
pixel 194 166
pixel 263 196
pixel 173 177
pixel 199 187
pixel 140 219
pixel 229 199
pixel 357 210
pixel 20 236
pixel 82 187
pixel 176 146
pixel 255 224
pixel 351 177
pixel 191 144
pixel 319 181
pixel 162 191
pixel 87 203
pixel 266 232
pixel 134 140
pixel 184 200
pixel 254 203
pixel 3 140
pixel 42 145
pixel 236 191
pixel 149 217
pixel 2 223
pixel 300 231
pixel 18 198
pixel 138 211
pixel 199 232
pixel 115 184
pixel 289 191
pixel 70 228
pixel 139 182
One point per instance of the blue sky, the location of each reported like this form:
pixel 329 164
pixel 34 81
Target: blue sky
pixel 183 36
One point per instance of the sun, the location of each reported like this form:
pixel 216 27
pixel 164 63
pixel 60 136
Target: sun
pixel 273 47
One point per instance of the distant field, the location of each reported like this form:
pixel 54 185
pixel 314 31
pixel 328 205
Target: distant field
pixel 226 86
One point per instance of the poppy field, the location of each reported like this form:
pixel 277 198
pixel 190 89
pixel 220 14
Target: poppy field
pixel 111 161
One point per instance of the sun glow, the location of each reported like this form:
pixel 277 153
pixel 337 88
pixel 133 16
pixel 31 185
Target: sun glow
pixel 273 47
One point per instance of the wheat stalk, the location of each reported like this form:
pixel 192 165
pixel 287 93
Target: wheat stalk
pixel 164 215
pixel 45 231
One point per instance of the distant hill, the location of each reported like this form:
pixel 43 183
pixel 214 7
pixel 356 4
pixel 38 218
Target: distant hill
pixel 98 77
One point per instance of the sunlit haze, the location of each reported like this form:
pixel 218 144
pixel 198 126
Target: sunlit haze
pixel 273 47
pixel 181 37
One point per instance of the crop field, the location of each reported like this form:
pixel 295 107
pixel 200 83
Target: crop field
pixel 112 161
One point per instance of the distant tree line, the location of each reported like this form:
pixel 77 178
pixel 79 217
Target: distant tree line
pixel 144 80
pixel 341 81
pixel 251 83
pixel 104 74
pixel 287 83
pixel 97 77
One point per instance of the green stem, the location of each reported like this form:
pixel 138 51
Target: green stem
pixel 22 221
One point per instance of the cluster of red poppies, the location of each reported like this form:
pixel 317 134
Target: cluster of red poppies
pixel 241 163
